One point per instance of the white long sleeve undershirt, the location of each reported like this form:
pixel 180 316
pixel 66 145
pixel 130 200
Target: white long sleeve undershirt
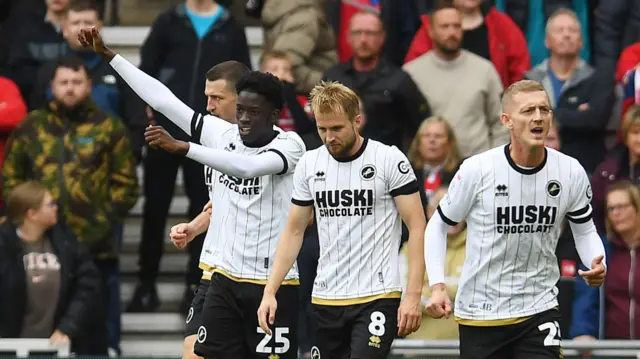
pixel 234 164
pixel 435 249
pixel 588 244
pixel 154 93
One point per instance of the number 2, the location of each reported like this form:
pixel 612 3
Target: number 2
pixel 553 337
pixel 376 327
pixel 280 339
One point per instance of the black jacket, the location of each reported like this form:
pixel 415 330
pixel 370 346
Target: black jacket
pixel 12 15
pixel 34 43
pixel 617 25
pixel 394 107
pixel 173 54
pixel 582 133
pixel 79 302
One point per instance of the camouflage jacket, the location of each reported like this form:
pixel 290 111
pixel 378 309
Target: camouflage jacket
pixel 85 158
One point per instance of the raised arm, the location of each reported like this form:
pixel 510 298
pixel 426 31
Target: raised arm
pixel 150 90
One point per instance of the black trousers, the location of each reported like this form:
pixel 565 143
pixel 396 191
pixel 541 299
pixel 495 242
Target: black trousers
pixel 160 171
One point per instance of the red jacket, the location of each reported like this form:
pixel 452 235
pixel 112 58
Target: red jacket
pixel 12 111
pixel 507 46
pixel 629 59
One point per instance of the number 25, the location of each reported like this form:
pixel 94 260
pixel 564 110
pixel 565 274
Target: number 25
pixel 553 337
pixel 262 347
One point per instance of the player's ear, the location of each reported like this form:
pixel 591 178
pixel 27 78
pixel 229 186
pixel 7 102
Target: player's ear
pixel 275 115
pixel 357 122
pixel 506 121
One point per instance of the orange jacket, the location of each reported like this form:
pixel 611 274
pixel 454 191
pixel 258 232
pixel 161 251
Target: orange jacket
pixel 507 46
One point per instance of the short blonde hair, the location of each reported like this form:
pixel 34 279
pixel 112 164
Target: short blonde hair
pixel 334 98
pixel 453 158
pixel 634 195
pixel 522 86
pixel 631 117
pixel 25 196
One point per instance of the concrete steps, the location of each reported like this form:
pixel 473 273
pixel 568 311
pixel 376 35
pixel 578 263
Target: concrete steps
pixel 126 40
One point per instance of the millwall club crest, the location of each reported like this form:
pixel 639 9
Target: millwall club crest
pixel 368 172
pixel 554 188
pixel 315 353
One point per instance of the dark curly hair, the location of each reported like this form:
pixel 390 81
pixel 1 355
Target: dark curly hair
pixel 264 84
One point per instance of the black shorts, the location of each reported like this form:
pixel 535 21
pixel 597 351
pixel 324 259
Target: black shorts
pixel 194 317
pixel 359 331
pixel 230 322
pixel 536 338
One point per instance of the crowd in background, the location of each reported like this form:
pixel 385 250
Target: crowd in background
pixel 429 74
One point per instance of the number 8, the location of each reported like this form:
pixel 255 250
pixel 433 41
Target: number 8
pixel 376 327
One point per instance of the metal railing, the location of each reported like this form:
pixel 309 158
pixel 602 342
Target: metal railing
pixel 26 347
pixel 450 348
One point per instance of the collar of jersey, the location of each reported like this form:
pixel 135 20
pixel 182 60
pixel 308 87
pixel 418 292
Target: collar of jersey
pixel 261 142
pixel 355 155
pixel 524 171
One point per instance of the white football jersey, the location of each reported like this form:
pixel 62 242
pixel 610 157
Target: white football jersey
pixel 514 217
pixel 358 223
pixel 248 214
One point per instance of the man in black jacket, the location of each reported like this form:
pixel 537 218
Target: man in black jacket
pixel 109 91
pixel 394 107
pixel 581 98
pixel 32 42
pixel 183 44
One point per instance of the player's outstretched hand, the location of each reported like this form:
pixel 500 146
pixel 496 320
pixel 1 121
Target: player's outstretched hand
pixel 409 315
pixel 90 39
pixel 181 234
pixel 595 276
pixel 439 304
pixel 267 312
pixel 157 136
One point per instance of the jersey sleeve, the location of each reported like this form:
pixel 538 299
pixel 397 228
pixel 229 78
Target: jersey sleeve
pixel 457 202
pixel 208 130
pixel 301 195
pixel 290 148
pixel 579 210
pixel 399 173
